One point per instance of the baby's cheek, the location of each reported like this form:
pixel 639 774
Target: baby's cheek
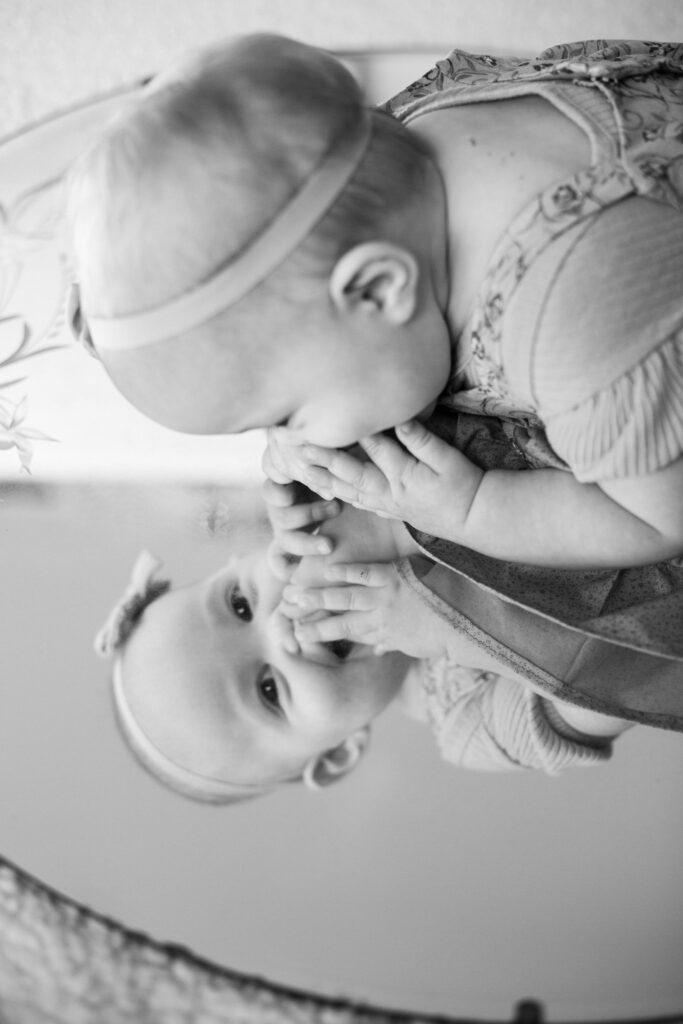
pixel 340 424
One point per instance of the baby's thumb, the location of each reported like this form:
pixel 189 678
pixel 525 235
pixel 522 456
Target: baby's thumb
pixel 423 445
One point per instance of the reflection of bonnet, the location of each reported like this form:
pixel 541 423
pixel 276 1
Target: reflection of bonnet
pixel 144 588
pixel 254 264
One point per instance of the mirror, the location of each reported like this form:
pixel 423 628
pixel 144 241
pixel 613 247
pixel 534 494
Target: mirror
pixel 413 884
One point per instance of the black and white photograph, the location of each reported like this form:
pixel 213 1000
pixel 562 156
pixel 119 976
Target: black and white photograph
pixel 342 673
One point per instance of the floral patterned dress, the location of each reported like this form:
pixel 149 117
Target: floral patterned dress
pixel 628 97
pixel 628 100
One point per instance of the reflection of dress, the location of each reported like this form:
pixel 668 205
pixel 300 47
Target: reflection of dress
pixel 606 392
pixel 558 661
pixel 489 722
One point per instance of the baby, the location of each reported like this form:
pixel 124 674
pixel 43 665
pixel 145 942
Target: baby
pixel 254 247
pixel 211 701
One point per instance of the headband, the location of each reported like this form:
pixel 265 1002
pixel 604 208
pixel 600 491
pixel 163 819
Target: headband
pixel 249 268
pixel 143 588
pixel 170 771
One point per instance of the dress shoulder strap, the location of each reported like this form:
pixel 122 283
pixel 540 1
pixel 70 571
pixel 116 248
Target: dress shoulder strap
pixel 468 77
pixel 597 83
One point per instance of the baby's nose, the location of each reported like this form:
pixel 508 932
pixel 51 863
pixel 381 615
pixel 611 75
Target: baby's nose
pixel 284 631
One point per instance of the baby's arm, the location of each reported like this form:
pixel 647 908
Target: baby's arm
pixel 546 517
pixel 481 719
pixel 539 517
pixel 488 722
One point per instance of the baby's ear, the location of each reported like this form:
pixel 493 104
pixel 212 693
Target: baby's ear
pixel 376 278
pixel 333 765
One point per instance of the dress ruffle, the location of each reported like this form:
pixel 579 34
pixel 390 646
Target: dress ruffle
pixel 487 722
pixel 631 428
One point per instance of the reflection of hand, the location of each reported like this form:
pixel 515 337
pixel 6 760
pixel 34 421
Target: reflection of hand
pixel 285 634
pixel 372 606
pixel 293 523
pixel 427 483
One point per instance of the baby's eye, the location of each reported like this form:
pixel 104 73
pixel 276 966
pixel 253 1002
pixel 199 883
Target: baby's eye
pixel 268 691
pixel 239 604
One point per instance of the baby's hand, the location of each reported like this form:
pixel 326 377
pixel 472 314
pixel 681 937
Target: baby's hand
pixel 430 485
pixel 283 461
pixel 295 514
pixel 371 606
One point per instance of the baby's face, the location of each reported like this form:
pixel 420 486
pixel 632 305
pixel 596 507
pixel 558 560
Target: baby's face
pixel 330 382
pixel 341 381
pixel 210 684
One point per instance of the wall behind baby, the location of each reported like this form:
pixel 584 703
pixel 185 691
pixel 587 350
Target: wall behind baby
pixel 52 55
pixel 413 884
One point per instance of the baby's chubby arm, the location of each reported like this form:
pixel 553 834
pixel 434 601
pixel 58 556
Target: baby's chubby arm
pixel 539 517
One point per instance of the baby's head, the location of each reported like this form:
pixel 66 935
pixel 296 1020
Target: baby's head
pixel 210 702
pixel 251 249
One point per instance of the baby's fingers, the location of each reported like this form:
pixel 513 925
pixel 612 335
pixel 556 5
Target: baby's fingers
pixel 333 599
pixel 387 455
pixel 301 517
pixel 339 462
pixel 343 466
pixel 364 489
pixel 274 469
pixel 329 487
pixel 287 549
pixel 277 495
pixel 363 574
pixel 427 447
pixel 353 626
pixel 300 543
